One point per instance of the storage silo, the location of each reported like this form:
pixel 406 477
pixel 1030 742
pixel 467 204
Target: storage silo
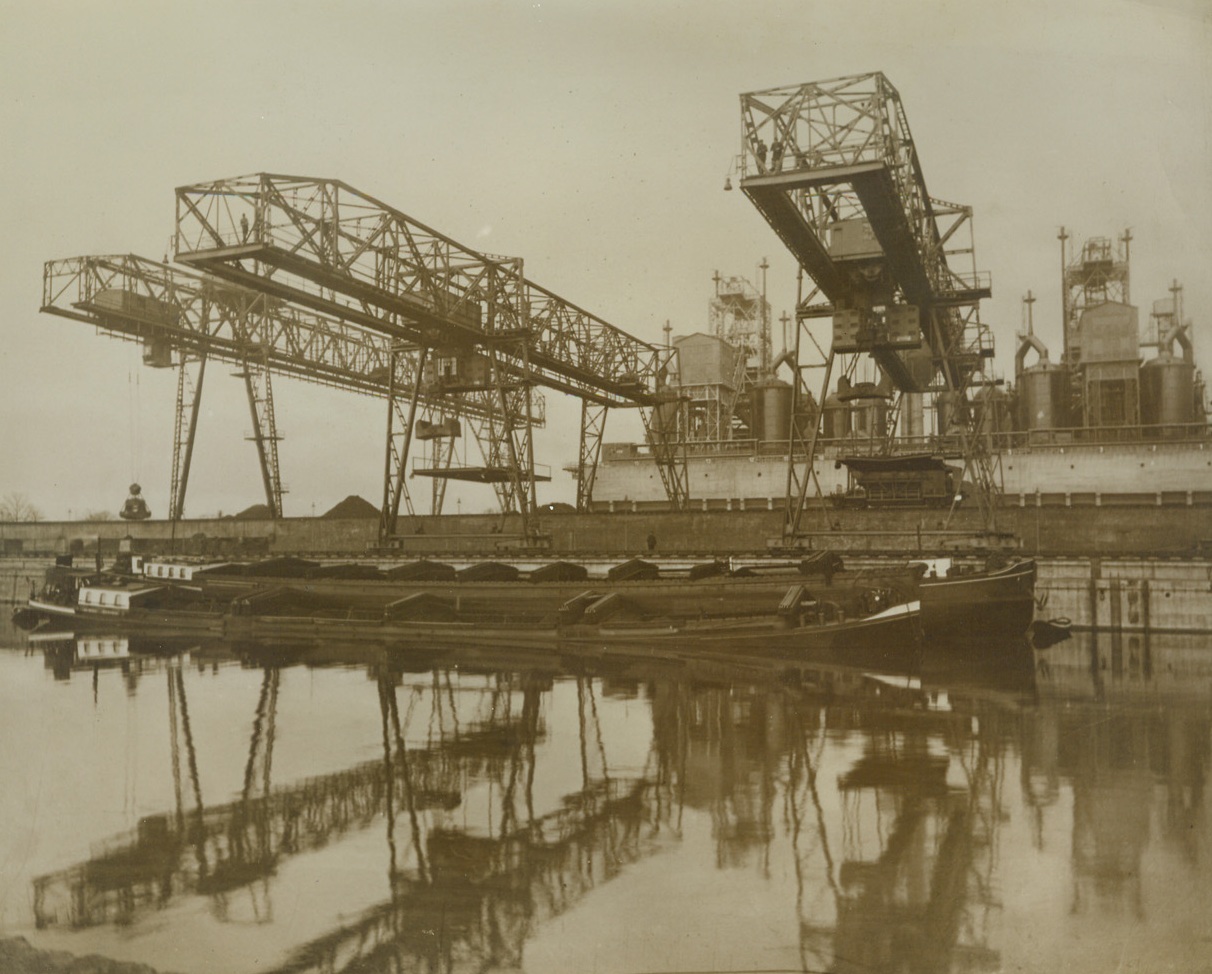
pixel 869 417
pixel 993 409
pixel 950 409
pixel 835 419
pixel 1167 391
pixel 1043 397
pixel 771 410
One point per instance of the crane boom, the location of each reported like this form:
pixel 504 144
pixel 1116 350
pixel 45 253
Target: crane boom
pixel 324 245
pixel 833 168
pixel 143 300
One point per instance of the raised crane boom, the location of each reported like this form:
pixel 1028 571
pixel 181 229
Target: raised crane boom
pixel 833 168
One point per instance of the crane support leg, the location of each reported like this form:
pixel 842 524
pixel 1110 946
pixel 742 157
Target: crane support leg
pixel 661 426
pixel 189 397
pixel 399 441
pixel 593 426
pixel 506 439
pixel 800 468
pixel 443 455
pixel 258 385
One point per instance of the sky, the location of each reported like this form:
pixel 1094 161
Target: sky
pixel 591 140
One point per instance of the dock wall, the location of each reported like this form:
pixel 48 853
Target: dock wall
pixel 1132 595
pixel 1089 531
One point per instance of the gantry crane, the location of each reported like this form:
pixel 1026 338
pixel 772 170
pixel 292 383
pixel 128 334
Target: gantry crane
pixel 197 317
pixel 311 278
pixel 833 168
pixel 322 245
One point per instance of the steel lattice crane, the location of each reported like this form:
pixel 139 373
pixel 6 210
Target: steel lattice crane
pixel 313 279
pixel 833 168
pixel 322 245
pixel 197 318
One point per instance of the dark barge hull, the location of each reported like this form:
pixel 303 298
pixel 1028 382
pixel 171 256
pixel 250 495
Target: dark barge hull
pixel 888 641
pixel 982 605
pixel 712 597
pixel 46 616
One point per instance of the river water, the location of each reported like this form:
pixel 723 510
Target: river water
pixel 220 808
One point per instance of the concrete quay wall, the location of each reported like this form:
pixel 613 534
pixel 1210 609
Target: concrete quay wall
pixel 1137 529
pixel 1128 594
pixel 1060 473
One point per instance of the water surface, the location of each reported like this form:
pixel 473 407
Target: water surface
pixel 226 808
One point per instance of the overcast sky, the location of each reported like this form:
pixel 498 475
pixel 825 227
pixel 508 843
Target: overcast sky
pixel 590 139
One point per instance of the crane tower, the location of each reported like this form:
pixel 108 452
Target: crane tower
pixel 833 168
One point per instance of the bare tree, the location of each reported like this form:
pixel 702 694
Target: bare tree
pixel 98 515
pixel 18 507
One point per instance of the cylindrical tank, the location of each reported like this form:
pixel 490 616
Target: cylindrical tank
pixel 950 409
pixel 835 418
pixel 993 406
pixel 771 410
pixel 1043 392
pixel 869 417
pixel 1167 391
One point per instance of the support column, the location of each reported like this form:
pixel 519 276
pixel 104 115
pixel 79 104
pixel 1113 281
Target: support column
pixel 511 443
pixel 662 428
pixel 398 442
pixel 801 450
pixel 593 426
pixel 259 386
pixel 189 397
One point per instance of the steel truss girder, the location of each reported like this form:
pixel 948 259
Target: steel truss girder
pixel 189 398
pixel 324 245
pixel 136 299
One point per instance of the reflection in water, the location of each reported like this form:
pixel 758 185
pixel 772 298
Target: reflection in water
pixel 1128 725
pixel 874 809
